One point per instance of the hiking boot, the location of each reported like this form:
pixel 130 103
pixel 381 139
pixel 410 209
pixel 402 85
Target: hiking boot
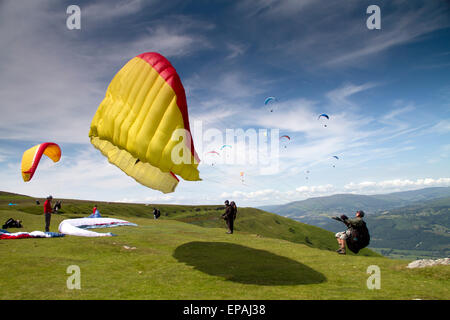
pixel 341 251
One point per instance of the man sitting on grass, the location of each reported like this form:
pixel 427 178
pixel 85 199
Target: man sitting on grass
pixel 356 236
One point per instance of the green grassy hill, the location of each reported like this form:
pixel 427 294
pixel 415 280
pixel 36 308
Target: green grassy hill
pixel 187 255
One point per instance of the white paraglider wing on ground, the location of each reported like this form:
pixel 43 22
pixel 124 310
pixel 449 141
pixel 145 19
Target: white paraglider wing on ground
pixel 77 227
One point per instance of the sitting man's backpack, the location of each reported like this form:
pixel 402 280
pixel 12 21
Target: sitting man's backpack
pixel 360 238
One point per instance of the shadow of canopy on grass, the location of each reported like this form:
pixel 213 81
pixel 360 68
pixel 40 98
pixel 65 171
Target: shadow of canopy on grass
pixel 245 265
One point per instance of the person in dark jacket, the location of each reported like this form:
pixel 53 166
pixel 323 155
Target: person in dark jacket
pixel 57 206
pixel 156 213
pixel 233 205
pixel 354 223
pixel 228 216
pixel 48 212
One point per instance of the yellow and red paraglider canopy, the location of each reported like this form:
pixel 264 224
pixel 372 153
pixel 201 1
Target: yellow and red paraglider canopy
pixel 144 105
pixel 32 156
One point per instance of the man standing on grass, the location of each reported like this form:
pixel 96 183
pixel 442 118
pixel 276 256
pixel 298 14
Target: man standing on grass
pixel 156 213
pixel 228 216
pixel 48 212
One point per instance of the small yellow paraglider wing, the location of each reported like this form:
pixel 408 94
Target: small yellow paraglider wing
pixel 32 157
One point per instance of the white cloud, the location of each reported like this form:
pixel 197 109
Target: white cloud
pixel 272 196
pixel 395 185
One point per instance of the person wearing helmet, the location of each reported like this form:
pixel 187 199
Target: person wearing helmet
pixel 352 224
pixel 48 212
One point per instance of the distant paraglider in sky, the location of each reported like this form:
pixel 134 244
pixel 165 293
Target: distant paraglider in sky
pixel 269 99
pixel 225 146
pixel 270 103
pixel 337 158
pixel 325 116
pixel 144 116
pixel 284 140
pixel 32 157
pixel 211 157
pixel 307 172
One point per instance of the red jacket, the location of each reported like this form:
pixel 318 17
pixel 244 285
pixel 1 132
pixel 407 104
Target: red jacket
pixel 47 207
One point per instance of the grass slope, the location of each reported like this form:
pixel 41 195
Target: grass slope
pixel 178 260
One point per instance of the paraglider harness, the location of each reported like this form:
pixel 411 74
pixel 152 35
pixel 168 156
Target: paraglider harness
pixel 359 236
pixel 11 223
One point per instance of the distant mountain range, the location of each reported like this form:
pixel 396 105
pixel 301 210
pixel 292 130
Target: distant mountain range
pixel 417 221
pixel 349 203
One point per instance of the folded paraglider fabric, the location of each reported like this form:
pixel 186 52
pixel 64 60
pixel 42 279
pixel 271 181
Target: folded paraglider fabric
pixel 23 235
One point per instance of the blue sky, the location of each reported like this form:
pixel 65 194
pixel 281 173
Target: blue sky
pixel 387 93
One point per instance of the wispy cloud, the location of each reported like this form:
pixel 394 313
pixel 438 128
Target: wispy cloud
pixel 330 34
pixel 341 96
pixel 403 28
pixel 442 126
pixel 392 115
pixel 105 11
pixel 236 50
pixel 273 9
